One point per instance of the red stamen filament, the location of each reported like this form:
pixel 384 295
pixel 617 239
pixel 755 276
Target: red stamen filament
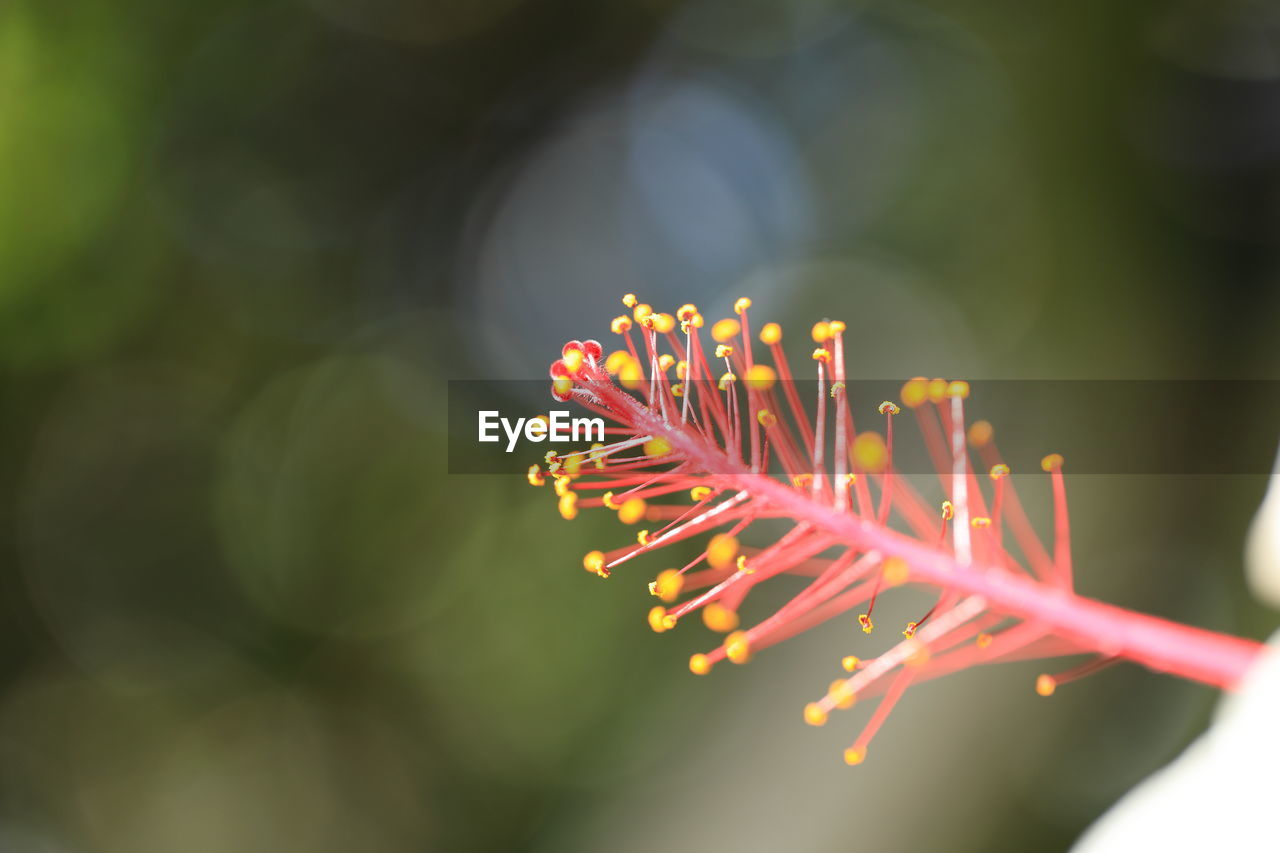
pixel 990 607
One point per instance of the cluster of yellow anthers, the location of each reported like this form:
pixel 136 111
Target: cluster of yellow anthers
pixel 694 451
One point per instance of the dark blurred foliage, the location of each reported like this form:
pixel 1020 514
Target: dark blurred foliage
pixel 243 245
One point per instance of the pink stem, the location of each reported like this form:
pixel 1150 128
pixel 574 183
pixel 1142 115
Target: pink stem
pixel 1194 653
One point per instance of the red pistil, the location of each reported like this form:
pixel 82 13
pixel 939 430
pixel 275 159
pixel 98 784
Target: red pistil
pixel 687 440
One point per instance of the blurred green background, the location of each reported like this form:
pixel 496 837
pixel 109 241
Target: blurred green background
pixel 243 245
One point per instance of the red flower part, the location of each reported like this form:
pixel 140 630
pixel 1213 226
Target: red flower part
pixel 720 448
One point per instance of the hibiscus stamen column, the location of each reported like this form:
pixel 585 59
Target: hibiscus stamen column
pixel 683 467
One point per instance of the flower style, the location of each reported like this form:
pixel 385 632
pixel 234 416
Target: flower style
pixel 707 455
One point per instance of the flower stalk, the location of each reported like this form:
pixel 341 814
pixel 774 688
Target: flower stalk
pixel 858 526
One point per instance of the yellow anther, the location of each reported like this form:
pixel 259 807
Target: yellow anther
pixel 669 621
pixel 569 506
pixel 573 466
pixel 999 470
pixel 594 563
pixel 868 452
pixel 682 369
pixel 620 324
pixel 657 446
pixel 696 321
pixel 741 305
pixel 665 361
pixel 687 310
pixel 842 694
pixel 616 359
pixel 597 458
pixel 895 571
pixel 554 468
pixel 771 334
pixel 822 354
pixel 982 640
pixel 699 664
pixel 663 323
pixel 631 375
pixel 629 300
pixel 562 385
pixel 656 617
pixel 915 392
pixel 802 481
pixel 814 715
pixel 609 502
pixel 563 485
pixel 766 418
pixel 742 565
pixel 854 756
pixel 837 327
pixel 631 511
pixel 959 388
pixel 573 360
pixel 821 332
pixel 725 330
pixel 722 550
pixel 677 390
pixel 888 407
pixel 535 476
pixel 737 647
pixel 641 312
pixel 849 663
pixel 865 621
pixel 727 380
pixel 981 433
pixel 719 618
pixel 668 585
pixel 980 522
pixel 761 377
pixel 1045 684
pixel 948 510
pixel 910 630
pixel 836 389
pixel 701 493
pixel 642 536
pixel 1051 462
pixel 938 390
pixel 551 457
pixel 724 351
